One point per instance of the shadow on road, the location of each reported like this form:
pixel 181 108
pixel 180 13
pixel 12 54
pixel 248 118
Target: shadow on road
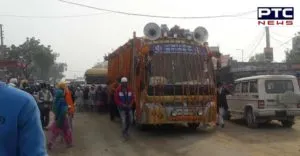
pixel 265 133
pixel 169 138
pixel 273 126
pixel 170 131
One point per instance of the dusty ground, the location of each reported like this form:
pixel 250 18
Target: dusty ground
pixel 96 135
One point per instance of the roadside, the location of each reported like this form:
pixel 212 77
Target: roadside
pixel 96 135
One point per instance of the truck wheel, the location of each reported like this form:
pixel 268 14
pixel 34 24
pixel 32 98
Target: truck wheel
pixel 250 119
pixel 141 127
pixel 193 126
pixel 287 123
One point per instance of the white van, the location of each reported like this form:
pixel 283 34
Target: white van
pixel 259 99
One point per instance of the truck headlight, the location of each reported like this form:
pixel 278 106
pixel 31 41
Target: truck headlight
pixel 199 113
pixel 173 113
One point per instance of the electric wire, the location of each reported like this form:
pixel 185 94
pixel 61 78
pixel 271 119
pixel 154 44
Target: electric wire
pixel 272 37
pixel 53 17
pixel 286 42
pixel 278 41
pixel 254 41
pixel 277 34
pixel 157 16
pixel 258 43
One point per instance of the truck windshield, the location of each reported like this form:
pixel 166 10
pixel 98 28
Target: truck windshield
pixel 279 86
pixel 181 68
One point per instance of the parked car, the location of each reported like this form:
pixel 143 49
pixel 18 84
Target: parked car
pixel 260 99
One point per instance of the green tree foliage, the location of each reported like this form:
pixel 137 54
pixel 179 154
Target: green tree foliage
pixel 4 50
pixel 101 65
pixel 57 70
pixel 292 56
pixel 257 58
pixel 39 60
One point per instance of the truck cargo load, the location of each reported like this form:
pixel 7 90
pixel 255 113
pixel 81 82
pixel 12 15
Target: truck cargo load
pixel 96 76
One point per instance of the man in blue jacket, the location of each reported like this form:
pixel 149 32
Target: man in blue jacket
pixel 21 132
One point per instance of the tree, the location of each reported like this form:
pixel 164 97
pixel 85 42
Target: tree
pixel 37 58
pixel 44 59
pixel 292 56
pixel 4 50
pixel 57 70
pixel 23 53
pixel 257 58
pixel 101 65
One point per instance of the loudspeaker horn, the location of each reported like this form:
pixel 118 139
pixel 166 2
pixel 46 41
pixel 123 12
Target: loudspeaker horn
pixel 200 34
pixel 152 31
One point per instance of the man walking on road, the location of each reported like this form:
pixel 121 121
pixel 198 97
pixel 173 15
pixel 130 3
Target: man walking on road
pixel 124 99
pixel 21 131
pixel 45 100
pixel 222 106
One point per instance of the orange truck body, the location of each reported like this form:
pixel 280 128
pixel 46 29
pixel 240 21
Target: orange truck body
pixel 153 105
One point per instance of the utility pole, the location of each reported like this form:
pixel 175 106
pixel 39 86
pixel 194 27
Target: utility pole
pixel 267 37
pixel 1 34
pixel 268 49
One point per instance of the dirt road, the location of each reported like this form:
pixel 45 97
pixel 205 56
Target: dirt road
pixel 96 135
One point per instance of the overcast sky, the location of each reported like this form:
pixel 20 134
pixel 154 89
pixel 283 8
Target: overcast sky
pixel 82 41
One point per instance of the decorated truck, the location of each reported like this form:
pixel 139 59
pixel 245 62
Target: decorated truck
pixel 171 73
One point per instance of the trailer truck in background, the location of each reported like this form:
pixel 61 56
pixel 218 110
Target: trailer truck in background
pixel 171 73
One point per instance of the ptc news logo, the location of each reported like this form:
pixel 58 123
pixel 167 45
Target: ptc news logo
pixel 275 15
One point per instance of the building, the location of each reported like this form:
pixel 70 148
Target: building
pixel 236 70
pixel 10 68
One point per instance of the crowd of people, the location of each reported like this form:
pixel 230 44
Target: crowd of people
pixel 26 116
pixel 29 114
pixel 91 98
pixel 21 130
pixel 59 100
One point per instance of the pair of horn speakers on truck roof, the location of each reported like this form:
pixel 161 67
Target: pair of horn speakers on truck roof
pixel 153 31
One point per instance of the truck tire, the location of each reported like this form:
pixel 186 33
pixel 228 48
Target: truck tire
pixel 250 119
pixel 193 126
pixel 288 123
pixel 142 127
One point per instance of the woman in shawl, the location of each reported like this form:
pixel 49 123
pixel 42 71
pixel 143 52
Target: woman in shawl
pixel 61 123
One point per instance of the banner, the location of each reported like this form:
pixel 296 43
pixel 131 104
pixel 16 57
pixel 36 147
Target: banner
pixel 178 48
